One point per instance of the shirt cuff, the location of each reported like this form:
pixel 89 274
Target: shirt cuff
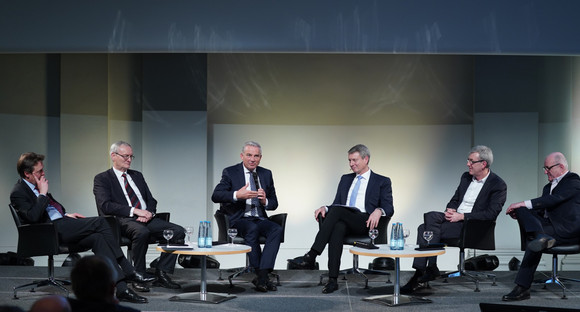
pixel 131 212
pixel 528 204
pixel 235 198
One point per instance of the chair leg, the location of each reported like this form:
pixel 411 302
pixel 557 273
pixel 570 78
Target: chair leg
pixel 356 270
pixel 555 279
pixel 472 275
pixel 50 281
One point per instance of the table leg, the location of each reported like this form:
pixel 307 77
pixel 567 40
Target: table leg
pixel 396 298
pixel 203 295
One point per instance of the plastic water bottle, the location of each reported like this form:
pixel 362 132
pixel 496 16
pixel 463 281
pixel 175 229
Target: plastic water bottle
pixel 400 237
pixel 201 234
pixel 393 241
pixel 208 234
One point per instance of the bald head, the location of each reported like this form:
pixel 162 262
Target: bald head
pixel 51 304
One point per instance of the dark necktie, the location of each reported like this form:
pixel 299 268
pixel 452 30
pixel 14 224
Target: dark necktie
pixel 254 187
pixel 132 196
pixel 56 205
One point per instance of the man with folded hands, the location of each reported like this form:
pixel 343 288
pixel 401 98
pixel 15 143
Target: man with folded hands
pixel 479 196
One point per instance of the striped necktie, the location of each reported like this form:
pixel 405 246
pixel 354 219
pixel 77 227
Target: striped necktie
pixel 132 196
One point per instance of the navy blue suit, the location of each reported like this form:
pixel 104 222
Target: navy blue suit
pixel 340 222
pixel 250 228
pixel 562 208
pixel 111 200
pixel 487 206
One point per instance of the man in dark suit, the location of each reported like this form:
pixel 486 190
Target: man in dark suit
pixel 479 196
pixel 371 197
pixel 245 192
pixel 123 192
pixel 551 219
pixel 30 198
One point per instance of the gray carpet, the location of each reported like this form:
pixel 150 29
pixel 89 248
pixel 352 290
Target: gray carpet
pixel 300 292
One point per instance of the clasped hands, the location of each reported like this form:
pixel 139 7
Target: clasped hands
pixel 244 193
pixel 452 215
pixel 143 215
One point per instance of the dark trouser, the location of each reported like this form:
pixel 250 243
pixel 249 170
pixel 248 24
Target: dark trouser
pixel 442 229
pixel 534 223
pixel 140 234
pixel 251 229
pixel 94 233
pixel 338 223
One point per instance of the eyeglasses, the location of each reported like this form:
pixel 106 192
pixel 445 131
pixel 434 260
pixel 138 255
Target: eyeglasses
pixel 126 157
pixel 549 168
pixel 471 162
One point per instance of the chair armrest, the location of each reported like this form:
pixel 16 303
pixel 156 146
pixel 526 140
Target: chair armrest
pixel 163 216
pixel 281 220
pixel 37 240
pixel 478 234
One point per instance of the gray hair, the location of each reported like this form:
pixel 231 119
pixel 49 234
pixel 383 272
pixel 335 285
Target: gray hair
pixel 115 146
pixel 484 152
pixel 361 149
pixel 561 159
pixel 252 143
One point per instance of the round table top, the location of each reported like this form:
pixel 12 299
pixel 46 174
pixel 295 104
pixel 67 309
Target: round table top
pixel 225 249
pixel 385 251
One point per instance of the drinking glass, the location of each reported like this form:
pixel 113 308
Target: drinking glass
pixel 232 232
pixel 188 233
pixel 373 234
pixel 428 236
pixel 406 233
pixel 168 234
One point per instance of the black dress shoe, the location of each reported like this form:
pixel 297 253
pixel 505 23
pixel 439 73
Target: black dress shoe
pixel 431 273
pixel 130 296
pixel 541 243
pixel 163 280
pixel 305 262
pixel 139 278
pixel 413 285
pixel 264 286
pixel 141 287
pixel 517 294
pixel 330 287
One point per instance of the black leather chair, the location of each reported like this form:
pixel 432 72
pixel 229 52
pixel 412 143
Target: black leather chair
pixel 476 234
pixel 568 249
pixel 41 240
pixel 382 238
pixel 126 241
pixel 223 224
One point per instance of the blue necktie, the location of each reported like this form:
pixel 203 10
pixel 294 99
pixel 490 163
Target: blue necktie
pixel 354 193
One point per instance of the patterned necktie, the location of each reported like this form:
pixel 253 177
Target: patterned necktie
pixel 56 205
pixel 132 196
pixel 354 193
pixel 254 187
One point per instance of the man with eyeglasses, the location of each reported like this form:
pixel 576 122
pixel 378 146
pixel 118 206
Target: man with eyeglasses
pixel 34 204
pixel 551 219
pixel 123 192
pixel 480 195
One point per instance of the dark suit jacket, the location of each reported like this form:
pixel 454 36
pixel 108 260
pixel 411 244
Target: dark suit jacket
pixel 378 194
pixel 488 203
pixel 562 206
pixel 232 180
pixel 110 197
pixel 31 209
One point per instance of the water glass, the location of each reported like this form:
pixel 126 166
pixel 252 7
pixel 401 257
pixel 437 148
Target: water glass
pixel 232 232
pixel 373 234
pixel 168 234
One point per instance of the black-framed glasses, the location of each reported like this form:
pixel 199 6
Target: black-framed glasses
pixel 549 168
pixel 126 157
pixel 472 162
